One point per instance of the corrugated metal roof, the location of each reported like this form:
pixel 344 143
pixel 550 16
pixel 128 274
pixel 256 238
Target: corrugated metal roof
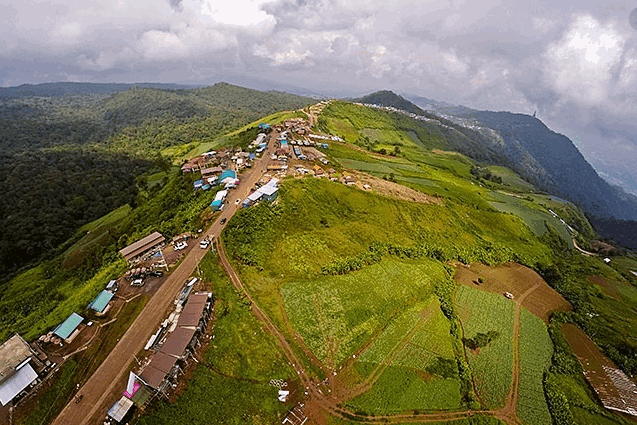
pixel 13 351
pixel 192 311
pixel 13 386
pixel 102 300
pixel 120 409
pixel 142 245
pixel 177 342
pixel 66 328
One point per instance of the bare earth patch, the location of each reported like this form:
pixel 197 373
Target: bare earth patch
pixel 607 286
pixel 516 279
pixel 395 190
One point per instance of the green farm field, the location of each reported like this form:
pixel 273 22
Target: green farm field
pixel 415 358
pixel 533 215
pixel 536 349
pixel 336 315
pixel 492 366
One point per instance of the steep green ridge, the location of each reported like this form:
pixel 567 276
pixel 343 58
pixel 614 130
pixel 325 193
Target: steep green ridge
pixel 541 156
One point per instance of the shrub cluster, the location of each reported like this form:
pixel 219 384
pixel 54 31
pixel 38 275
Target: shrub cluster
pixel 480 340
pixel 486 253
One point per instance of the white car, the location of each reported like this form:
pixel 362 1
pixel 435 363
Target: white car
pixel 204 244
pixel 180 246
pixel 237 202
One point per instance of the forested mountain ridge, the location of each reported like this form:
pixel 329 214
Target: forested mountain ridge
pixel 37 122
pixel 67 160
pixel 547 159
pixel 61 89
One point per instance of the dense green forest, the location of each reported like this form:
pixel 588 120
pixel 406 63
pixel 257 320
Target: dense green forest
pixel 47 195
pixel 68 159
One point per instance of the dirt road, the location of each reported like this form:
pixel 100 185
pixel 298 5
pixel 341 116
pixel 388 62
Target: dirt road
pixel 98 392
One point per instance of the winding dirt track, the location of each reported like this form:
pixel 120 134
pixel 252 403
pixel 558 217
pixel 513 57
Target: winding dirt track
pixel 320 397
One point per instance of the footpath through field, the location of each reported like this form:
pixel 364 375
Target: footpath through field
pixel 103 387
pixel 321 403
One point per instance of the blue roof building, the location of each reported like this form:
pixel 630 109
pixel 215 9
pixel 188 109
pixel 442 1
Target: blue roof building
pixel 215 205
pixel 68 327
pixel 100 303
pixel 227 173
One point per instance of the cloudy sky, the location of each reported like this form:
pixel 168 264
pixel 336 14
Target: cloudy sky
pixel 574 62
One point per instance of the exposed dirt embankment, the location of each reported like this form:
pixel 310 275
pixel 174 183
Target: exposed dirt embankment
pixel 395 190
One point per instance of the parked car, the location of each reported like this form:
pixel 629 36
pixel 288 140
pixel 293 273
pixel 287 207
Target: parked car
pixel 204 244
pixel 137 282
pixel 156 273
pixel 237 202
pixel 180 246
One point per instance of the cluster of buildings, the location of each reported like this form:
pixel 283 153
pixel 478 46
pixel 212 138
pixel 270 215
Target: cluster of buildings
pixel 214 162
pixel 267 192
pixel 171 347
pixel 216 177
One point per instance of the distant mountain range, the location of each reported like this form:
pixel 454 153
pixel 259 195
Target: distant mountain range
pixel 61 89
pixel 523 143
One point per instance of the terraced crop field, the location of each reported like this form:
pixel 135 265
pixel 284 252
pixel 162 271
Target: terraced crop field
pixel 414 364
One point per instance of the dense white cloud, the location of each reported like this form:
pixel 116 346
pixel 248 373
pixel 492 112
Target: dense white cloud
pixel 573 62
pixel 581 64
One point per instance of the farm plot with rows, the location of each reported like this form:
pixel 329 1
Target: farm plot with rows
pixel 492 365
pixel 401 389
pixel 414 357
pixel 336 315
pixel 536 350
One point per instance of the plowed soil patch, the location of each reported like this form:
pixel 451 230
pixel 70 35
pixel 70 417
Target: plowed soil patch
pixel 516 279
pixel 607 286
pixel 395 190
pixel 592 360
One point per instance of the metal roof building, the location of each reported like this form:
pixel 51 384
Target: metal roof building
pixel 65 329
pixel 18 382
pixel 16 373
pixel 100 303
pixel 120 409
pixel 193 311
pixel 142 246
